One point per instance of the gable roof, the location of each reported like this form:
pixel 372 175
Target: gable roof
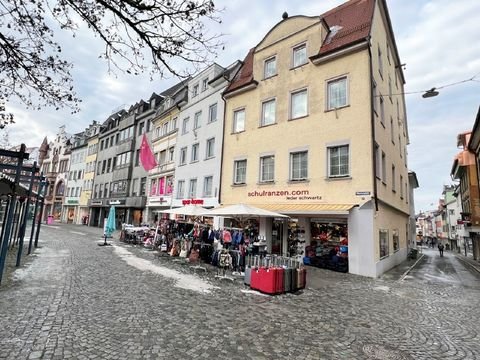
pixel 349 24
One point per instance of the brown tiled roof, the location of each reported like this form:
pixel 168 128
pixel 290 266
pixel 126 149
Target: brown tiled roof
pixel 353 21
pixel 245 74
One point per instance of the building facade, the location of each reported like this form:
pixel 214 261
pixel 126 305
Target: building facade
pixel 199 143
pixel 164 139
pixel 55 168
pixel 464 169
pixel 315 129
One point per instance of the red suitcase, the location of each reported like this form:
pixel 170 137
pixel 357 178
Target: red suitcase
pixel 279 280
pixel 255 276
pixel 268 281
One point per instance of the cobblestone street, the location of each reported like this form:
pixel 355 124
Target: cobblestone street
pixel 77 300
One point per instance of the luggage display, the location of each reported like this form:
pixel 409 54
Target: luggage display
pixel 248 271
pixel 276 275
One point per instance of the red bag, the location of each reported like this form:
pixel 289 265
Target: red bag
pixel 255 279
pixel 279 288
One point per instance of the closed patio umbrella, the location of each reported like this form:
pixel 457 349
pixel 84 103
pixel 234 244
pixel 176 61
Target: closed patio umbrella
pixel 109 225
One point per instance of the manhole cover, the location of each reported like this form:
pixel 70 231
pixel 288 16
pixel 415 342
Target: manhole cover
pixel 380 352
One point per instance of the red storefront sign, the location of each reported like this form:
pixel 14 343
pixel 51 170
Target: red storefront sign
pixel 192 202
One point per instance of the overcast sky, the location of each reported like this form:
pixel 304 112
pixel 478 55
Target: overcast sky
pixel 437 40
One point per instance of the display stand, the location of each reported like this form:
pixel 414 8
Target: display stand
pixel 105 241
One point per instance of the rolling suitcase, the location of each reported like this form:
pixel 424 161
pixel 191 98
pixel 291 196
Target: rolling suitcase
pixel 301 277
pixel 279 287
pixel 294 277
pixel 248 272
pixel 287 277
pixel 255 275
pixel 268 282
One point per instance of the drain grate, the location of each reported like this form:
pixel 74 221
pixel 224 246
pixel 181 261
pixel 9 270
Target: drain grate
pixel 380 352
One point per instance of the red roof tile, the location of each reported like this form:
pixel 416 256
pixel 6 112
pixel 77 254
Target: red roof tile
pixel 353 20
pixel 349 22
pixel 244 75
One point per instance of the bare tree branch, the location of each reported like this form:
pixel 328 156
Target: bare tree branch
pixel 170 33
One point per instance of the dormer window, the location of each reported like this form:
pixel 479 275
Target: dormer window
pixel 270 67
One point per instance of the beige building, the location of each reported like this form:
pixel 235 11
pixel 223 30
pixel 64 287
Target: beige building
pixel 316 129
pixel 89 176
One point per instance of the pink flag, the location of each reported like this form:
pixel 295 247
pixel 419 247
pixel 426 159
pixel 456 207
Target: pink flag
pixel 146 156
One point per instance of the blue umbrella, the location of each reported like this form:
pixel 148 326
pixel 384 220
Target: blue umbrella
pixel 109 224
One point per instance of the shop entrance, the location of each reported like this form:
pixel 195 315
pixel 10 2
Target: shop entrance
pixel 277 237
pixel 329 245
pixel 137 217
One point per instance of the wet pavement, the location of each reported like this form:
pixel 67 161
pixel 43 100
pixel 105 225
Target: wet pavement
pixel 77 300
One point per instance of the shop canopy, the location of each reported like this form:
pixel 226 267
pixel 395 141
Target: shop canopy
pixel 243 211
pixel 188 210
pixel 7 186
pixel 310 209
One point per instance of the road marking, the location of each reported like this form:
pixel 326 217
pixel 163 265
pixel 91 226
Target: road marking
pixel 410 269
pixel 77 232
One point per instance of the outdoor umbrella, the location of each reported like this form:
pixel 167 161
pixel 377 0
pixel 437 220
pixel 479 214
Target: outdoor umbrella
pixel 243 211
pixel 109 225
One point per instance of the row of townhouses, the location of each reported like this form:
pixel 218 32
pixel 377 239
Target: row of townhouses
pixel 311 124
pixel 456 221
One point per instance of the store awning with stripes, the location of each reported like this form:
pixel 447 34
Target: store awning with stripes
pixel 308 209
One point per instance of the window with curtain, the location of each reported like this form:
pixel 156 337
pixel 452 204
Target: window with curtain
pixel 240 172
pixel 268 112
pixel 270 67
pixel 267 167
pixel 338 161
pixel 337 93
pixel 299 55
pixel 299 105
pixel 298 165
pixel 239 121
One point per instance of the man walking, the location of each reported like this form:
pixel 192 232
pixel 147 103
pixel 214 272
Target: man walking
pixel 440 249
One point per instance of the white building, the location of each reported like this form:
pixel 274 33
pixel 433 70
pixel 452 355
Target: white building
pixel 200 136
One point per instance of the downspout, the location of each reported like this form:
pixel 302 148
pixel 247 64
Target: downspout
pixel 372 125
pixel 223 146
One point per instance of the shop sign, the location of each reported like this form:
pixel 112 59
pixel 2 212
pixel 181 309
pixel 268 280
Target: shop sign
pixel 116 202
pixel 285 194
pixel 96 202
pixel 72 201
pixel 192 202
pixel 362 193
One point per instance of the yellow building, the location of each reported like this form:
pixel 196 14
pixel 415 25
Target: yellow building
pixel 315 128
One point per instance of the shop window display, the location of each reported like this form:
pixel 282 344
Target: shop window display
pixel 329 246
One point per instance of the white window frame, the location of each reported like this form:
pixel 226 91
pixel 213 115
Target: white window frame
pixel 262 171
pixel 384 167
pixel 236 168
pixel 394 174
pixel 192 188
pixel 185 125
pixel 204 84
pixel 296 48
pixel 262 117
pixel 197 118
pixel 292 170
pixel 380 61
pixel 328 96
pixel 271 59
pixel 384 243
pixel 180 189
pixel 183 155
pixel 210 148
pixel 195 152
pixel 382 111
pixel 236 128
pixel 329 161
pixel 195 90
pixel 292 95
pixel 213 106
pixel 208 186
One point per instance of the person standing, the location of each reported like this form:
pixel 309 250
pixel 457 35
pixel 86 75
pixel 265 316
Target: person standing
pixel 440 249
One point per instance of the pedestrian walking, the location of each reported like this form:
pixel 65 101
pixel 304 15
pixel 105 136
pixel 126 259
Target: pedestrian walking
pixel 440 249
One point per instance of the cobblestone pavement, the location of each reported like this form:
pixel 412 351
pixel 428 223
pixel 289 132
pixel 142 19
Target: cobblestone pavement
pixel 77 300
